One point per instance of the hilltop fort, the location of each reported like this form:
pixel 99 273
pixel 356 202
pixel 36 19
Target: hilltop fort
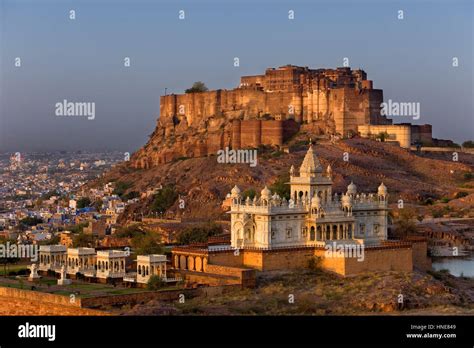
pixel 268 109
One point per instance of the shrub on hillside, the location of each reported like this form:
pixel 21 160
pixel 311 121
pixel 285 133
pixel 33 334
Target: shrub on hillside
pixel 121 187
pixel 164 199
pixel 155 283
pixel 249 193
pixel 199 234
pixel 280 187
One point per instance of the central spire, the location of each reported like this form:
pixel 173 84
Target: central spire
pixel 310 165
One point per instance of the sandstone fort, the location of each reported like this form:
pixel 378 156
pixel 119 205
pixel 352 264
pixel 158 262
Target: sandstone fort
pixel 268 109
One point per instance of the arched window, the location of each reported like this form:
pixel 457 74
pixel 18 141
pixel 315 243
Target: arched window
pixel 312 234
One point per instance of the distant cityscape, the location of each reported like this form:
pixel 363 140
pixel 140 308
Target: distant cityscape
pixel 43 187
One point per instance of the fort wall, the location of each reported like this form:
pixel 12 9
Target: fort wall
pixel 420 253
pixel 39 297
pixel 396 132
pixel 381 259
pixel 263 110
pixel 392 256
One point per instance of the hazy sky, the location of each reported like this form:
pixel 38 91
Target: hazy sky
pixel 83 59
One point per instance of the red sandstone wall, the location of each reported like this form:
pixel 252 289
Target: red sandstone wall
pixel 287 259
pixel 399 259
pixel 226 259
pixel 272 133
pixel 236 131
pixel 251 133
pixel 253 259
pixel 420 255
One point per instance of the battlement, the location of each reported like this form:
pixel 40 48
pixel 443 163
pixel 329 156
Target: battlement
pixel 290 78
pixel 287 92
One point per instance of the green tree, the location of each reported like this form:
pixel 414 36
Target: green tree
pixel 164 199
pixel 155 283
pixel 83 202
pixel 280 187
pixel 382 136
pixel 197 87
pixel 130 231
pixel 31 221
pixel 249 193
pixel 199 234
pixel 131 195
pixel 405 223
pixel 83 240
pixel 121 187
pixel 468 143
pixel 146 244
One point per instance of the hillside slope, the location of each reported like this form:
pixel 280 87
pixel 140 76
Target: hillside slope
pixel 203 182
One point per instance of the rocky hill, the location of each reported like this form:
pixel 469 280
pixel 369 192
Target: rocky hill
pixel 203 183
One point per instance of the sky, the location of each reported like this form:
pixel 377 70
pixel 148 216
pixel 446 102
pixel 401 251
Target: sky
pixel 82 60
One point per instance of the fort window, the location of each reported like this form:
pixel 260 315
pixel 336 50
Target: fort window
pixel 362 229
pixel 288 233
pixel 304 230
